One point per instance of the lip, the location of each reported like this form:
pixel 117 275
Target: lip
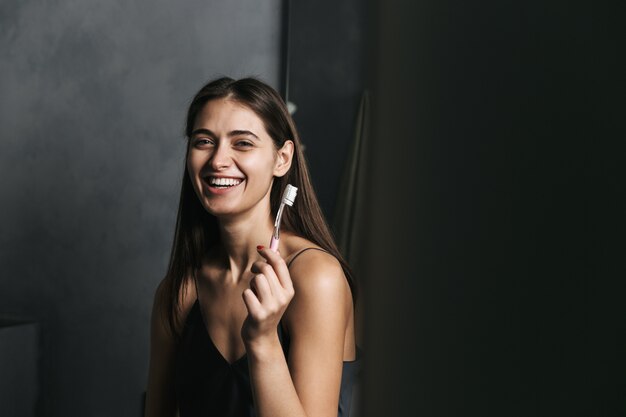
pixel 235 177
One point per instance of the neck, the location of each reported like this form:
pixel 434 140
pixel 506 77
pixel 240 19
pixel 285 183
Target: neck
pixel 240 237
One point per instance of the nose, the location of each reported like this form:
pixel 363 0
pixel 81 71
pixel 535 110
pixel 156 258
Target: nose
pixel 221 157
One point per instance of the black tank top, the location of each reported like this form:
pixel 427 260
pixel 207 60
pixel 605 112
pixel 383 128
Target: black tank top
pixel 207 384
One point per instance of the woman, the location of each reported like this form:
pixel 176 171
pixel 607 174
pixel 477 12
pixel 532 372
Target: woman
pixel 237 329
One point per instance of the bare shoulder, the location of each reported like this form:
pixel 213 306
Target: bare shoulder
pixel 317 275
pixel 316 269
pixel 319 318
pixel 318 278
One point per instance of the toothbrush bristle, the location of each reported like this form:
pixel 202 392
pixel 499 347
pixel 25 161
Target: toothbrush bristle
pixel 289 195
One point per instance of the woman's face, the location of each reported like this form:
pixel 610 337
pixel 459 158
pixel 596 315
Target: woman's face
pixel 231 158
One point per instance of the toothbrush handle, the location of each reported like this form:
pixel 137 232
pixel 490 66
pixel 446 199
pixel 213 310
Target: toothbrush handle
pixel 274 244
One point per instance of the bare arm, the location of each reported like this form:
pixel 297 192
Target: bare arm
pixel 308 382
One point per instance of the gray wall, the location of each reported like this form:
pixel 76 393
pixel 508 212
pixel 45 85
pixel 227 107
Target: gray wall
pixel 92 104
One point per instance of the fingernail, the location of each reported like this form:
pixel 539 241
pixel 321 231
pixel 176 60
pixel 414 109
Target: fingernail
pixel 260 247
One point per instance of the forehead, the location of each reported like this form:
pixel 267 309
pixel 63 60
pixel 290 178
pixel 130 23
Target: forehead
pixel 224 115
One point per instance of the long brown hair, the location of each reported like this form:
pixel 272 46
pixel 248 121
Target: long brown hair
pixel 196 229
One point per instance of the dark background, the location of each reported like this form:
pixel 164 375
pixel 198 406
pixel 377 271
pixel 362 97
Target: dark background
pixel 327 60
pixel 495 260
pixel 493 222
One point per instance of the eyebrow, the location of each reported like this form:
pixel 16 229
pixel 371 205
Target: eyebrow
pixel 230 134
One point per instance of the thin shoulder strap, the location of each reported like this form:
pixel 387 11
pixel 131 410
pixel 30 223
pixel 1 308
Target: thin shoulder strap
pixel 300 253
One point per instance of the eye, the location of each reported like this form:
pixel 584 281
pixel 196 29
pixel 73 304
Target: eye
pixel 244 143
pixel 203 142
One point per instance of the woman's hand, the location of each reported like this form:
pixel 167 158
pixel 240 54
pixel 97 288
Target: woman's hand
pixel 270 292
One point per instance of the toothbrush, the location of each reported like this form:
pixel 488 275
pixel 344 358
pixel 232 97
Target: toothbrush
pixel 289 196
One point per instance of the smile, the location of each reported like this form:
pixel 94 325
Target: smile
pixel 219 184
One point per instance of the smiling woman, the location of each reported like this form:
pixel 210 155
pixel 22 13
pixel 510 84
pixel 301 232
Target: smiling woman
pixel 229 153
pixel 238 329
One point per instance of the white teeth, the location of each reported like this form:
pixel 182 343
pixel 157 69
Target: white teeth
pixel 224 181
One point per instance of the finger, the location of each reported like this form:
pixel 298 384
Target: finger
pixel 262 267
pixel 278 264
pixel 257 267
pixel 252 303
pixel 261 288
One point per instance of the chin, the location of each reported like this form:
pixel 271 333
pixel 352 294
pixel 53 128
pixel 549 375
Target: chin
pixel 222 210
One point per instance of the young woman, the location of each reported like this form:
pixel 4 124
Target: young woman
pixel 238 329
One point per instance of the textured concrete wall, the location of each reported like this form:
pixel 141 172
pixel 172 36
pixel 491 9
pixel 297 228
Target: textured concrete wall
pixel 92 102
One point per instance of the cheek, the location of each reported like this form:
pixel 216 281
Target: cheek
pixel 257 166
pixel 194 164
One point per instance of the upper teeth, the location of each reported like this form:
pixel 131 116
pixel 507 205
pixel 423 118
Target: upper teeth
pixel 224 181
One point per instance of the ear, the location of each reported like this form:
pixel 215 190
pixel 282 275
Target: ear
pixel 284 158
